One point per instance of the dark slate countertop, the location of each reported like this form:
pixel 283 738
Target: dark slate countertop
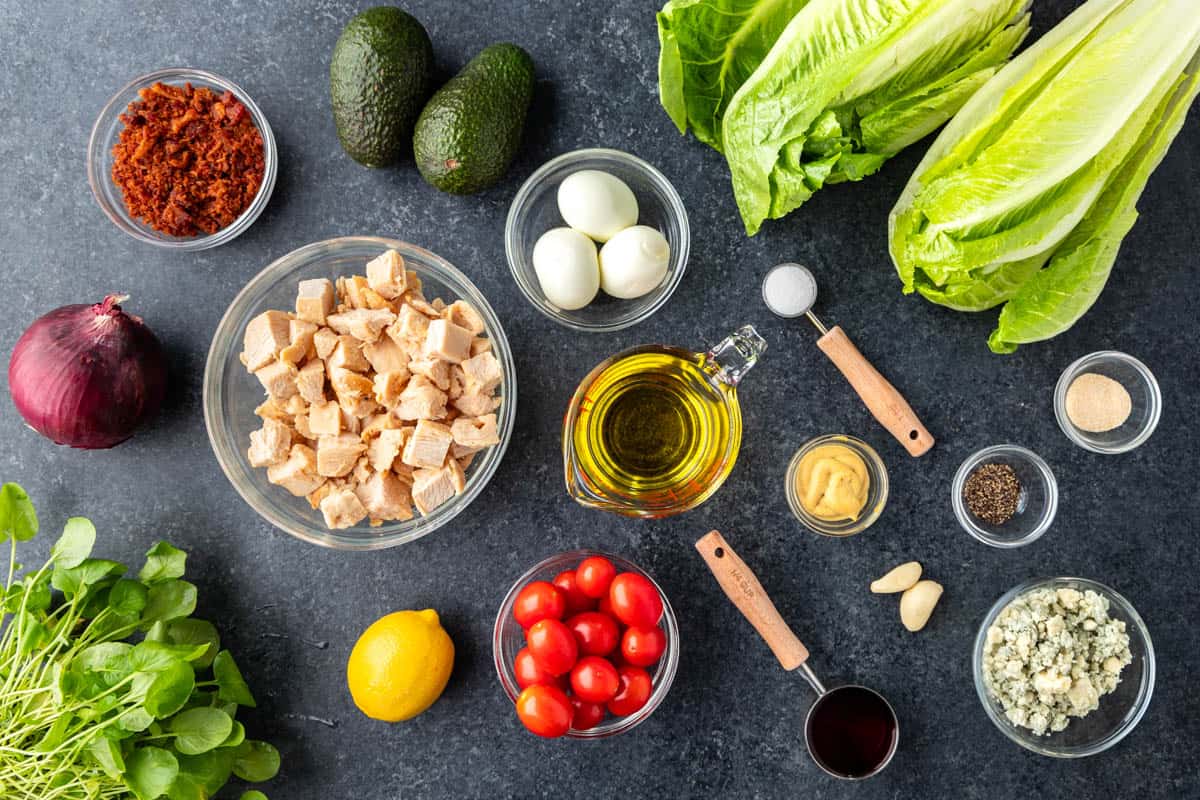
pixel 732 724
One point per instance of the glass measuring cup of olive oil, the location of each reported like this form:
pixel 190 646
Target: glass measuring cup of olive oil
pixel 655 430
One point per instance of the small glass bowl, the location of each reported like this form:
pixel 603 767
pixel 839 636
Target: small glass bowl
pixel 877 491
pixel 508 638
pixel 1119 711
pixel 107 131
pixel 1143 391
pixel 231 393
pixel 534 211
pixel 1036 504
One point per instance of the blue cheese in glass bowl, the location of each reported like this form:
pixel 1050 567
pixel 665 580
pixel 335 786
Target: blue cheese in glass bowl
pixel 1051 654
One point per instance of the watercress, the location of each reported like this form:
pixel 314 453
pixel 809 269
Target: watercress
pixel 108 687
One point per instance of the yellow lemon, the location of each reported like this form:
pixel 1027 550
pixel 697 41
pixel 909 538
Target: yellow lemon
pixel 400 665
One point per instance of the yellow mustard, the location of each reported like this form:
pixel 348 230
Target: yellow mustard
pixel 832 482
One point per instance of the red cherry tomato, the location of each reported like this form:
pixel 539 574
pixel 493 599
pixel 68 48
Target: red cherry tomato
pixel 594 679
pixel 552 645
pixel 545 710
pixel 642 647
pixel 635 601
pixel 596 633
pixel 528 673
pixel 587 715
pixel 633 693
pixel 605 607
pixel 577 601
pixel 594 574
pixel 539 600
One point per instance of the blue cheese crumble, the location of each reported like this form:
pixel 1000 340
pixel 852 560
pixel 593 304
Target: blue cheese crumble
pixel 1051 655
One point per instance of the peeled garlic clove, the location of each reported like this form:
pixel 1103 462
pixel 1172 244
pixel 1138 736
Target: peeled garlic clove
pixel 899 579
pixel 917 602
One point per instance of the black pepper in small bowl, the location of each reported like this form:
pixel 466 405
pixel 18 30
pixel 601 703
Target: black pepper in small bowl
pixel 993 493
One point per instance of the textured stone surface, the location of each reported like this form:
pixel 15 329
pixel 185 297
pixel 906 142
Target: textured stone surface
pixel 732 724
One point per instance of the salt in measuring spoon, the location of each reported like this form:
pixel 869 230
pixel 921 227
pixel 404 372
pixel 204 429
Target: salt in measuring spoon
pixel 790 291
pixel 850 731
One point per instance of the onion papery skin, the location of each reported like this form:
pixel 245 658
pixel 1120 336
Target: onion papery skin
pixel 87 375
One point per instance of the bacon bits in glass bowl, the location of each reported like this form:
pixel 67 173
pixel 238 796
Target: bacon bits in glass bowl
pixel 585 645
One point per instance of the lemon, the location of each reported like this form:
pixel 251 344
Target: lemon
pixel 399 666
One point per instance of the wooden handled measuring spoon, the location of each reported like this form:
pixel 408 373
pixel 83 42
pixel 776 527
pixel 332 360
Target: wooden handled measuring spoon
pixel 851 731
pixel 790 291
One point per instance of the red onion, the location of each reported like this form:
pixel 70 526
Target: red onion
pixel 87 375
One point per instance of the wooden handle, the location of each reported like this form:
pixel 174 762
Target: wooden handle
pixel 747 594
pixel 879 396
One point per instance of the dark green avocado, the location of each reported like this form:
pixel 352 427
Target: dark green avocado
pixel 380 76
pixel 471 128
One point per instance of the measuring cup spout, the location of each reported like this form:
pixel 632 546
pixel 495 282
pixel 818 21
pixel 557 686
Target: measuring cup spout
pixel 736 354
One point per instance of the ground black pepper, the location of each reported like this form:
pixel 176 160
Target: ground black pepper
pixel 992 493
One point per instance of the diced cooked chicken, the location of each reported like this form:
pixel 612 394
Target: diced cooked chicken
pixel 421 400
pixel 388 387
pixel 464 461
pixel 358 407
pixel 301 334
pixel 314 300
pixel 349 385
pixel 431 488
pixel 325 419
pixel 362 471
pixel 265 336
pixel 336 455
pixel 447 341
pixel 474 404
pixel 418 302
pixel 350 423
pixel 299 473
pixel 324 341
pixel 347 355
pixel 428 445
pixel 385 497
pixel 379 421
pixel 385 355
pixel 300 424
pixel 458 477
pixel 410 326
pixel 279 379
pixel 384 448
pixel 483 373
pixel 480 345
pixel 364 324
pixel 386 275
pixel 295 405
pixel 474 433
pixel 350 291
pixel 269 409
pixel 270 444
pixel 464 315
pixel 320 493
pixel 436 370
pixel 310 381
pixel 342 509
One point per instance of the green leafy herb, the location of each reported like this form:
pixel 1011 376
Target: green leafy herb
pixel 89 710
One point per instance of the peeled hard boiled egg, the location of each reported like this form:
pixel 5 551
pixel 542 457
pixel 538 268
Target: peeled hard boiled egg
pixel 597 203
pixel 567 268
pixel 633 262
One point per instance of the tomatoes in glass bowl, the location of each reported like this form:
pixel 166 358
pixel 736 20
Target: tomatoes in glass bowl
pixel 596 719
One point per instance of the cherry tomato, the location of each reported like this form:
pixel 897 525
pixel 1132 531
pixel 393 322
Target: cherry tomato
pixel 552 646
pixel 594 679
pixel 539 600
pixel 635 601
pixel 545 710
pixel 642 647
pixel 577 601
pixel 605 607
pixel 596 633
pixel 633 693
pixel 593 575
pixel 587 715
pixel 528 673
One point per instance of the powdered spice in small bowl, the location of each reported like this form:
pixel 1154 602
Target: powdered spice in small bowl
pixel 1107 402
pixel 1005 496
pixel 182 159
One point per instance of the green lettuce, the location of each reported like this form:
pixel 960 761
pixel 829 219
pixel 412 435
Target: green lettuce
pixel 1026 195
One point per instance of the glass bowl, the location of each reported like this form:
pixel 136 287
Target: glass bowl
pixel 1036 504
pixel 508 638
pixel 231 393
pixel 1119 711
pixel 877 491
pixel 107 130
pixel 534 211
pixel 1143 391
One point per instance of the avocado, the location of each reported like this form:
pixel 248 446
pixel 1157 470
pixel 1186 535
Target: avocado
pixel 380 75
pixel 471 128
